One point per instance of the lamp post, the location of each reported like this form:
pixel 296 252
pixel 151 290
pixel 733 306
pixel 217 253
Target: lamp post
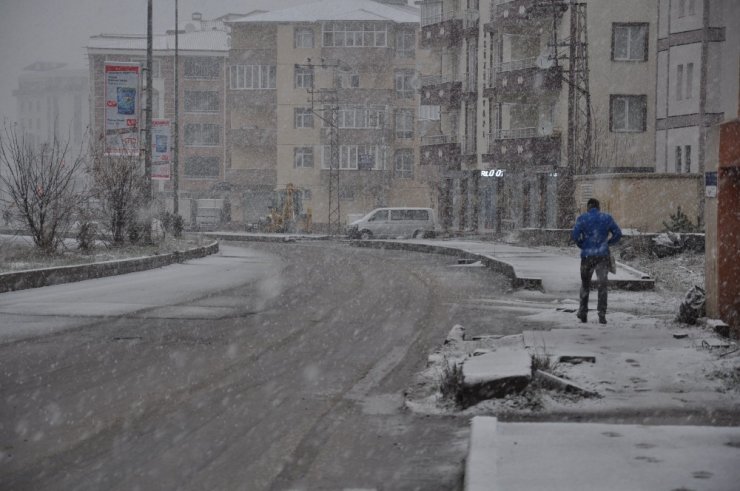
pixel 148 124
pixel 176 157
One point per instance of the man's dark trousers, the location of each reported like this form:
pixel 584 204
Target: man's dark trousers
pixel 600 264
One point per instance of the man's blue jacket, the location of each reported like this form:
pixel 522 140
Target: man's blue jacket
pixel 591 233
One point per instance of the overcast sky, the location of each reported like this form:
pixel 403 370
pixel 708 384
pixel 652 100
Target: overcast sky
pixel 57 30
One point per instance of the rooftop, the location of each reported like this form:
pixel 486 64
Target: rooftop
pixel 344 10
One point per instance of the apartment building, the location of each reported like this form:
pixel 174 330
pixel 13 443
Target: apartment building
pixel 52 101
pixel 503 80
pixel 202 130
pixel 698 55
pixel 290 72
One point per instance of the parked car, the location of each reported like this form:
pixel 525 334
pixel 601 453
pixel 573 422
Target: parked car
pixel 394 222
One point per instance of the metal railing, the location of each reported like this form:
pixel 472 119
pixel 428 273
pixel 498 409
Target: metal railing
pixel 512 133
pixel 439 140
pixel 510 66
pixel 470 18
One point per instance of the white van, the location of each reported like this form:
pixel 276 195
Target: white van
pixel 394 222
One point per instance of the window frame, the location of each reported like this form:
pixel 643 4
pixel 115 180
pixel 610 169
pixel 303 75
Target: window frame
pixel 301 75
pixel 215 63
pixel 403 36
pixel 642 98
pixel 304 116
pixel 200 132
pixel 628 25
pixel 403 163
pixel 403 118
pixel 300 34
pixel 214 93
pixel 403 83
pixel 188 162
pixel 237 72
pixel 303 158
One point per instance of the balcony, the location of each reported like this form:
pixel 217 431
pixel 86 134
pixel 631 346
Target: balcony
pixel 448 28
pixel 441 90
pixel 520 78
pixel 441 150
pixel 506 14
pixel 523 146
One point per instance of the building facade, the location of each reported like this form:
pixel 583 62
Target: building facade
pixel 52 102
pixel 504 76
pixel 332 76
pixel 202 130
pixel 698 52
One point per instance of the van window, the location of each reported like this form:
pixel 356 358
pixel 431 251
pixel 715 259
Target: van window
pixel 419 215
pixel 398 215
pixel 379 216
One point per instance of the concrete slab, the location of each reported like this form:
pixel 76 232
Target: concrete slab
pixel 496 374
pixel 589 456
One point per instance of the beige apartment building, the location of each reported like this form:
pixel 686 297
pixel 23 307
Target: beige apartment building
pixel 290 72
pixel 503 77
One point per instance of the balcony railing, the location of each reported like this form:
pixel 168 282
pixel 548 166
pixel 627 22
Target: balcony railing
pixel 438 79
pixel 470 18
pixel 439 140
pixel 510 66
pixel 512 133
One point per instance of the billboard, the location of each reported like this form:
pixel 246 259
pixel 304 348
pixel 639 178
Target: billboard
pixel 161 149
pixel 122 99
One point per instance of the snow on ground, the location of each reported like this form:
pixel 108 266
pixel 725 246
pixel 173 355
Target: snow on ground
pixel 645 360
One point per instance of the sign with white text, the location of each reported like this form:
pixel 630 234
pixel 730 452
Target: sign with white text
pixel 121 122
pixel 161 149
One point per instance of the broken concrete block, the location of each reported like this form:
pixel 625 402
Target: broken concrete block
pixel 495 375
pixel 457 334
pixel 576 359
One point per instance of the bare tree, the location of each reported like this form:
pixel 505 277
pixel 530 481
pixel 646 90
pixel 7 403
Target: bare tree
pixel 118 186
pixel 41 183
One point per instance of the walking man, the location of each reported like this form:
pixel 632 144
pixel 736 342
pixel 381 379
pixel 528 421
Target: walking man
pixel 591 235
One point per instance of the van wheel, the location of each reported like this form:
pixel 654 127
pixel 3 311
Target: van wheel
pixel 366 234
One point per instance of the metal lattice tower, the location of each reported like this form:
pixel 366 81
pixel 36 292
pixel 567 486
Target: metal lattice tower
pixel 328 102
pixel 579 139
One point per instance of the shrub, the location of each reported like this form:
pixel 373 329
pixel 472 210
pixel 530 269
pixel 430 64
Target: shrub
pixel 680 223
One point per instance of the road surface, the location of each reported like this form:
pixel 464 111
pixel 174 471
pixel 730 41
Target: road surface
pixel 270 366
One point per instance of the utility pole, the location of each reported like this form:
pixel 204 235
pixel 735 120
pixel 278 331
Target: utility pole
pixel 148 124
pixel 329 97
pixel 176 125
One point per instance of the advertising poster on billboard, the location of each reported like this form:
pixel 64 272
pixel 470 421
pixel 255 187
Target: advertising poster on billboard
pixel 122 90
pixel 161 149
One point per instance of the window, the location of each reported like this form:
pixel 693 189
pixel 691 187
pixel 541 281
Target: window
pixel 405 123
pixel 303 37
pixel 379 216
pixel 352 157
pixel 197 101
pixel 629 42
pixel 678 159
pixel 403 163
pixel 202 134
pixel 628 113
pixel 679 82
pixel 303 117
pixel 360 117
pixel 687 158
pixel 348 79
pixel 202 68
pixel 405 44
pixel 429 113
pixel 404 81
pixel 431 13
pixel 303 77
pixel 303 157
pixel 202 167
pixel 346 194
pixel 252 76
pixel 355 34
pixel 689 80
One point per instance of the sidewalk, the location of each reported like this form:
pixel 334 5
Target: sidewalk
pixel 641 367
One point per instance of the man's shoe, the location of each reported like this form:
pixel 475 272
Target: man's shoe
pixel 602 319
pixel 581 316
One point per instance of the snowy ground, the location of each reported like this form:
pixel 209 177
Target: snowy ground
pixel 646 362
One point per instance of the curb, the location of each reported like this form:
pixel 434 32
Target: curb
pixel 499 266
pixel 22 280
pixel 264 237
pixel 489 262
